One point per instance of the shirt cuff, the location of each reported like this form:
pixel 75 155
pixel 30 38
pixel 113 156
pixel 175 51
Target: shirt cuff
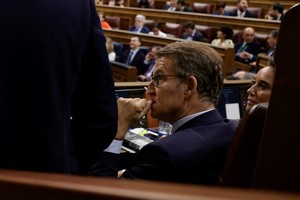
pixel 114 147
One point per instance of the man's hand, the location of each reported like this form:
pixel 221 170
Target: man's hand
pixel 130 110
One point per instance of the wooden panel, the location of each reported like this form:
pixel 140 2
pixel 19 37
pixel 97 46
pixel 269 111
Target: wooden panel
pixel 122 72
pixel 16 185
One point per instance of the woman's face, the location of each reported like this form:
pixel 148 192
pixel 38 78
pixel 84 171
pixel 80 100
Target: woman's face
pixel 260 91
pixel 220 35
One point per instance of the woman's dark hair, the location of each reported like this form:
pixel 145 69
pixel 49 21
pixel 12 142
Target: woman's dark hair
pixel 227 31
pixel 143 4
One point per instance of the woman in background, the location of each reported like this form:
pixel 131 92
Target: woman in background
pixel 110 49
pixel 224 37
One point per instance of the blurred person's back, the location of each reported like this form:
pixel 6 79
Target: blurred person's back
pixel 54 71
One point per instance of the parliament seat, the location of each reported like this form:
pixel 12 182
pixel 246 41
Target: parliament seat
pixel 244 148
pixel 172 29
pixel 113 21
pixel 209 33
pixel 203 8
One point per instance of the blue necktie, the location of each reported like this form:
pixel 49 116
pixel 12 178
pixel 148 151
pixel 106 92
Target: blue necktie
pixel 128 61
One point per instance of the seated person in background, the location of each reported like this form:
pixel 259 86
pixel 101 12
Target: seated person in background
pixel 242 6
pixel 104 23
pixel 98 2
pixel 275 12
pixel 224 36
pixel 119 3
pixel 149 64
pixel 171 6
pixel 191 33
pixel 272 42
pixel 247 50
pixel 241 75
pixel 156 31
pixel 134 56
pixel 220 8
pixel 110 49
pixel 145 3
pixel 138 26
pixel 261 89
pixel 184 91
pixel 180 6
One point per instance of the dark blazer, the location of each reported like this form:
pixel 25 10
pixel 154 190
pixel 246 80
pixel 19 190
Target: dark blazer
pixel 186 9
pixel 143 30
pixel 193 154
pixel 137 61
pixel 197 36
pixel 54 67
pixel 247 14
pixel 253 48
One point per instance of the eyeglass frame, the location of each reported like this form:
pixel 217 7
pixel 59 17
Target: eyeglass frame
pixel 156 78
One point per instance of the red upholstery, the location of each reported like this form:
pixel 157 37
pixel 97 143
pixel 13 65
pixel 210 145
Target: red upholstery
pixel 257 12
pixel 172 29
pixel 243 151
pixel 203 8
pixel 113 21
pixel 149 23
pixel 209 33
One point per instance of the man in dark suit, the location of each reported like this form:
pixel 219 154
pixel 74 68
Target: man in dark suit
pixel 241 11
pixel 184 91
pixel 181 6
pixel 247 50
pixel 138 26
pixel 57 102
pixel 190 32
pixel 134 56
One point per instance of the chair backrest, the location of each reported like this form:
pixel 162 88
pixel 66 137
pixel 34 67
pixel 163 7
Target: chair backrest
pixel 243 151
pixel 149 23
pixel 209 33
pixel 118 48
pixel 203 7
pixel 257 12
pixel 113 21
pixel 172 29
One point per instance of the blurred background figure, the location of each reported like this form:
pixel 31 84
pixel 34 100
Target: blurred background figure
pixel 110 49
pixel 181 6
pixel 138 26
pixel 170 6
pixel 146 3
pixel 156 31
pixel 242 9
pixel 149 64
pixel 104 23
pixel 224 36
pixel 191 33
pixel 120 3
pixel 275 12
pixel 220 8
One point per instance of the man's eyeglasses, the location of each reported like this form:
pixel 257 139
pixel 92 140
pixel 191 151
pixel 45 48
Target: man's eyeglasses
pixel 158 79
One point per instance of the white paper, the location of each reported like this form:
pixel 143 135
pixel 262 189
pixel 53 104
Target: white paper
pixel 232 111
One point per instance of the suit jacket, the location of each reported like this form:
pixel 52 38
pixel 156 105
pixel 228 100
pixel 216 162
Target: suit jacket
pixel 197 36
pixel 253 48
pixel 247 14
pixel 137 61
pixel 52 71
pixel 143 30
pixel 194 153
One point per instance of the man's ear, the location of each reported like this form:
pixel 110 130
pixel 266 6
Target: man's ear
pixel 191 85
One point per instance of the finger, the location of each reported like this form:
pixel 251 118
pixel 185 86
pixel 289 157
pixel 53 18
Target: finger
pixel 146 109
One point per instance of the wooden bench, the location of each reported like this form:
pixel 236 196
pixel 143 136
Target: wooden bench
pixel 123 72
pixel 149 40
pixel 128 14
pixel 16 185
